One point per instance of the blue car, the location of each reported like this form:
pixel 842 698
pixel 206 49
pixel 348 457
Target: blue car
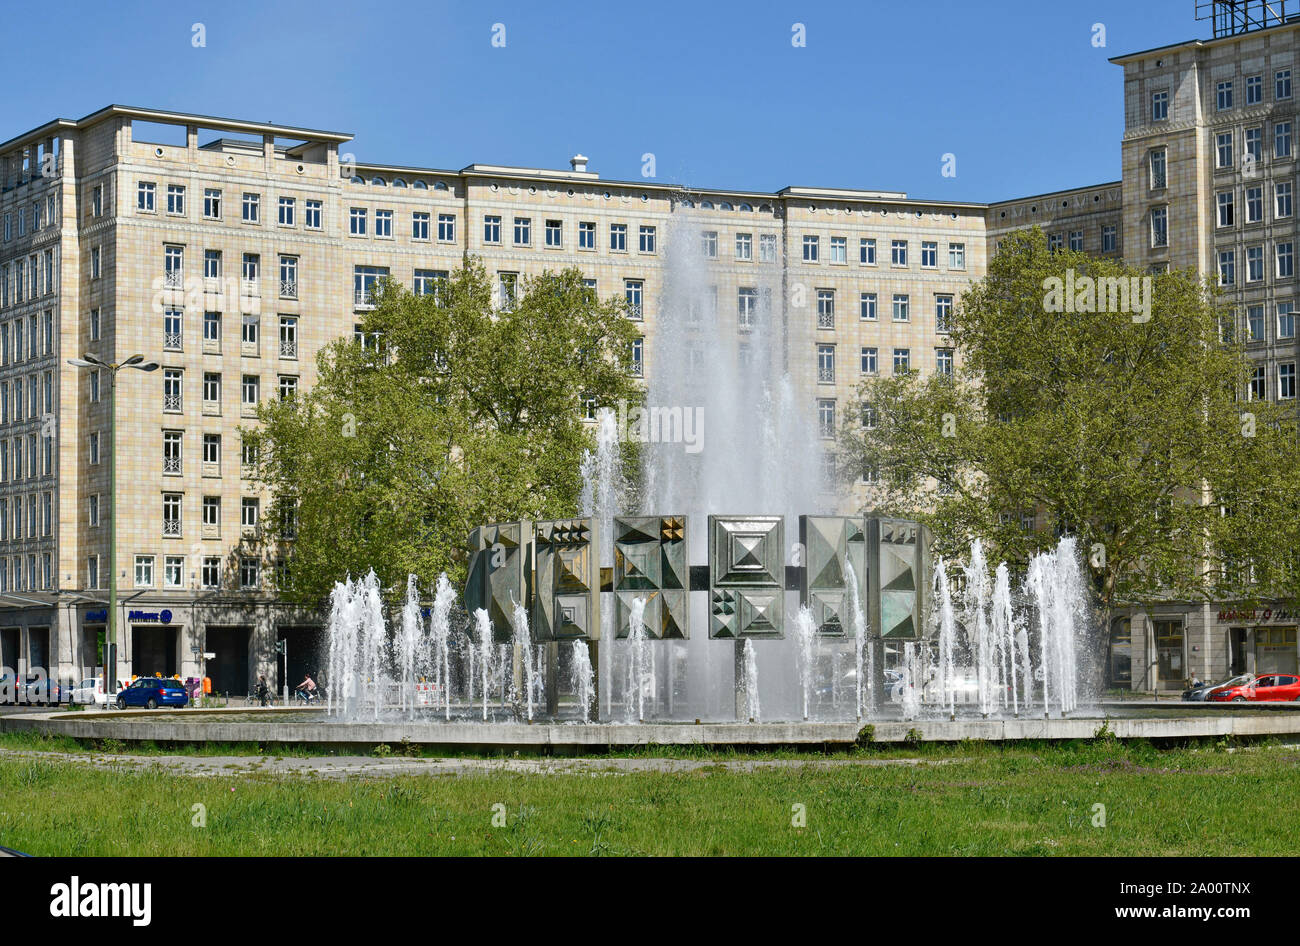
pixel 153 692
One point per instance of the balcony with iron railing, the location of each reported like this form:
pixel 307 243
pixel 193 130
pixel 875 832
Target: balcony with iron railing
pixel 171 527
pixel 172 402
pixel 174 279
pixel 172 465
pixel 288 289
pixel 172 341
pixel 825 375
pixel 363 298
pixel 288 348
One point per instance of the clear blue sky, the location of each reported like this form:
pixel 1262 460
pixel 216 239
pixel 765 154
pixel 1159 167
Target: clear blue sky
pixel 715 90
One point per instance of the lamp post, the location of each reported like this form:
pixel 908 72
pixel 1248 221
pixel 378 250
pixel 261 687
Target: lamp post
pixel 110 640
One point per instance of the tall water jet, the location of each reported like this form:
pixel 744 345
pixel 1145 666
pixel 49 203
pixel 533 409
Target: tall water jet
pixel 861 670
pixel 409 643
pixel 484 626
pixel 947 618
pixel 602 499
pixel 374 638
pixel 342 644
pixel 805 631
pixel 912 683
pixel 753 709
pixel 582 678
pixel 640 664
pixel 1004 632
pixel 440 630
pixel 977 619
pixel 523 647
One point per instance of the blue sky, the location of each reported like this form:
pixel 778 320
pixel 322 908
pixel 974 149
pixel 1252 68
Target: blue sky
pixel 715 90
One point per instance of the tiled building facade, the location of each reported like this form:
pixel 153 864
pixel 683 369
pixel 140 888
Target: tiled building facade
pixel 230 252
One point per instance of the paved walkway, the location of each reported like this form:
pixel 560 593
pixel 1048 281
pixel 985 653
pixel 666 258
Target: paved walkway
pixel 370 767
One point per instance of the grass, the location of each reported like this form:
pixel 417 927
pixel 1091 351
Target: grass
pixel 985 800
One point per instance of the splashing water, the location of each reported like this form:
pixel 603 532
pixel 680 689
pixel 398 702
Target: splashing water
pixel 440 630
pixel 805 630
pixel 863 682
pixel 753 709
pixel 484 626
pixel 640 664
pixel 582 679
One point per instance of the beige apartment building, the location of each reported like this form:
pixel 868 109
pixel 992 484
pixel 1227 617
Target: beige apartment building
pixel 231 251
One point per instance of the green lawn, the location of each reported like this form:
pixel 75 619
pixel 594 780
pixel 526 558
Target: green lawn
pixel 982 800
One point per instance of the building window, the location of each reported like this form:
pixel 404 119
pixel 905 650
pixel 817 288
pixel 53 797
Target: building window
pixel 1254 145
pixel 249 508
pixel 173 571
pixel 1254 204
pixel 746 306
pixel 143 571
pixel 507 290
pixel 744 246
pixel 92 571
pixel 638 357
pixel 174 266
pixel 709 244
pixel 1282 140
pixel 312 215
pixel 586 235
pixel 868 360
pixel 288 386
pixel 839 249
pixel 446 228
pixel 810 249
pixel 384 224
pixel 251 208
pixel 250 573
pixel 1286 320
pixel 1223 149
pixel 93 448
pixel 1255 323
pixel 491 228
pixel 956 255
pixel 929 254
pixel 171 513
pixel 250 390
pixel 1224 97
pixel 1226 214
pixel 767 248
pixel 898 252
pixel 212 389
pixel 172 451
pixel 210 575
pixel 357 221
pixel 902 360
pixel 943 361
pixel 212 449
pixel 1159 227
pixel 633 290
pixel 867 251
pixel 1227 267
pixel 618 238
pixel 419 226
pixel 826 364
pixel 826 417
pixel 1285 260
pixel 1258 385
pixel 1160 105
pixel 867 306
pixel 212 203
pixel 902 307
pixel 825 308
pixel 288 211
pixel 144 198
pixel 1286 381
pixel 1254 90
pixel 555 233
pixel 523 231
pixel 251 268
pixel 1076 241
pixel 1254 263
pixel 212 514
pixel 172 389
pixel 1282 193
pixel 943 313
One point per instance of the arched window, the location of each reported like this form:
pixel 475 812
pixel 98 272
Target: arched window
pixel 725 206
pixel 744 207
pixel 420 186
pixel 378 181
pixel 439 186
pixel 706 205
pixel 358 180
pixel 687 202
pixel 399 182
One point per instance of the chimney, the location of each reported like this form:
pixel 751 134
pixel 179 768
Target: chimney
pixel 578 162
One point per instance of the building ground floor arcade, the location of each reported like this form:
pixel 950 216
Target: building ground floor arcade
pixel 232 642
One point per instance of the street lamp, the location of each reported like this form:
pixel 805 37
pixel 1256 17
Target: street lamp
pixel 110 640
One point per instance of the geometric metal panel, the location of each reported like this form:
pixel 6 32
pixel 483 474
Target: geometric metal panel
pixel 500 573
pixel 899 574
pixel 746 576
pixel 650 563
pixel 830 545
pixel 566 592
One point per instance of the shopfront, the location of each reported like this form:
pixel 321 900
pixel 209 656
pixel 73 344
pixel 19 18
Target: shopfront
pixel 155 643
pixel 1171 654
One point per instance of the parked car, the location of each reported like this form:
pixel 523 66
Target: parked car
pixel 1270 688
pixel 42 691
pixel 90 692
pixel 1202 693
pixel 153 692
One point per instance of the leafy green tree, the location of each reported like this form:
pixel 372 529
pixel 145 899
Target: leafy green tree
pixel 450 412
pixel 1127 427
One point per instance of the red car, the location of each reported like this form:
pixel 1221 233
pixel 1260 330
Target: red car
pixel 1270 688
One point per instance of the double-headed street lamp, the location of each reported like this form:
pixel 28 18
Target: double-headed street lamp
pixel 110 640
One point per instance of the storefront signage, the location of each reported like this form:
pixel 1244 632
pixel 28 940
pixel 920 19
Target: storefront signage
pixel 1260 614
pixel 95 617
pixel 163 617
